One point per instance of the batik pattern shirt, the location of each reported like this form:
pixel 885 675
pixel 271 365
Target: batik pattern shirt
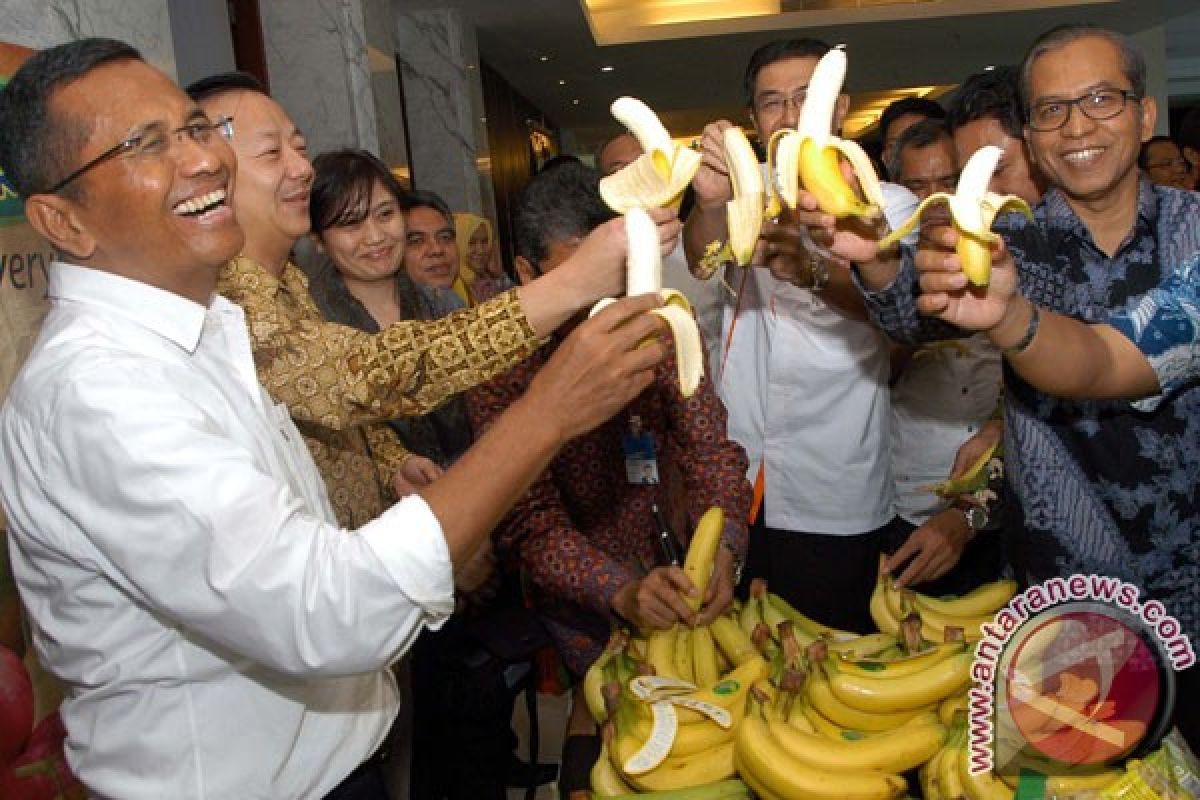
pixel 341 384
pixel 1104 487
pixel 1165 325
pixel 582 531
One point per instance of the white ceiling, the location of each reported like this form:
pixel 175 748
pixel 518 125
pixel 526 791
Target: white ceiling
pixel 694 80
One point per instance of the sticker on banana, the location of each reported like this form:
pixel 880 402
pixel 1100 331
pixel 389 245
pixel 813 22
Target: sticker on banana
pixel 659 176
pixel 972 209
pixel 643 274
pixel 811 154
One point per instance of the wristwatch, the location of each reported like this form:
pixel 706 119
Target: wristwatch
pixel 977 515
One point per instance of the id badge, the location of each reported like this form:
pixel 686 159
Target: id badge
pixel 641 461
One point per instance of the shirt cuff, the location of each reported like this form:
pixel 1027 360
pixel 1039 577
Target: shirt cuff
pixel 408 540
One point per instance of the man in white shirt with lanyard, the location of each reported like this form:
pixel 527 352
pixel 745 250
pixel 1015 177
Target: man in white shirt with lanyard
pixel 804 378
pixel 216 633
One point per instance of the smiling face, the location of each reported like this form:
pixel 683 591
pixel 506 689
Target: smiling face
pixel 156 214
pixel 274 175
pixel 479 250
pixel 929 169
pixel 430 253
pixel 372 248
pixel 786 80
pixel 1014 174
pixel 1166 165
pixel 1092 161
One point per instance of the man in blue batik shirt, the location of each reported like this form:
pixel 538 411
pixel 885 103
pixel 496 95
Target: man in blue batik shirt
pixel 1104 486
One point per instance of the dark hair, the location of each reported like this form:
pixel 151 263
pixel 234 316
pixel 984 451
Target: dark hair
pixel 1144 154
pixel 223 82
pixel 560 160
pixel 1189 130
pixel 1133 64
pixel 342 184
pixel 778 50
pixel 423 198
pixel 39 148
pixel 987 95
pixel 923 134
pixel 908 105
pixel 556 205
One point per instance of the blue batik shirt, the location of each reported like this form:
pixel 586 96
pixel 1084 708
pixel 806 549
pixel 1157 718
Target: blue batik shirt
pixel 1104 487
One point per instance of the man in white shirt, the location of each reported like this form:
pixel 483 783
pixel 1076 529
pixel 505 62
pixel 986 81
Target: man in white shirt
pixel 804 378
pixel 217 635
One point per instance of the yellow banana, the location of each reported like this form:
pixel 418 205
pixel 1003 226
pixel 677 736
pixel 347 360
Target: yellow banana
pixel 660 652
pixel 896 751
pixel 951 706
pixel 822 698
pixel 976 477
pixel 949 784
pixel 798 717
pixel 982 786
pixel 690 739
pixel 900 667
pixel 809 625
pixel 824 726
pixel 973 209
pixel 927 777
pixel 659 176
pixel 704 657
pixel 911 692
pixel 684 663
pixel 986 599
pixel 708 766
pixel 732 789
pixel 733 641
pixel 702 553
pixel 881 612
pixel 606 781
pixel 934 623
pixel 750 617
pixel 812 153
pixel 728 693
pixel 594 679
pixel 1064 784
pixel 862 647
pixel 744 212
pixel 761 756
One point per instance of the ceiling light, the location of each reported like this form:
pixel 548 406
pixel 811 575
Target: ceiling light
pixel 989 68
pixel 575 102
pixel 543 58
pixel 607 69
pixel 562 82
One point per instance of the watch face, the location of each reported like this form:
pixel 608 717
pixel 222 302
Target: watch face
pixel 976 518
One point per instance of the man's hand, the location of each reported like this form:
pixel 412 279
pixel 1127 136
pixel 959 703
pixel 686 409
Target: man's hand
pixel 973 449
pixel 719 594
pixel 934 548
pixel 946 294
pixel 656 601
pixel 599 368
pixel 711 182
pixel 414 474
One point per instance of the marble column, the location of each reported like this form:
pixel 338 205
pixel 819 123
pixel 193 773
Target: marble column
pixel 145 24
pixel 327 61
pixel 443 103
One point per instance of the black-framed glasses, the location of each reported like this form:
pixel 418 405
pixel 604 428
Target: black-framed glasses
pixel 773 105
pixel 1098 104
pixel 153 139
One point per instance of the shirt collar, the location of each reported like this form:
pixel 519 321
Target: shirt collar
pixel 1059 210
pixel 165 313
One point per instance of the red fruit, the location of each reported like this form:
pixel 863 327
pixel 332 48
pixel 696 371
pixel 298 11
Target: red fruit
pixel 16 706
pixel 41 772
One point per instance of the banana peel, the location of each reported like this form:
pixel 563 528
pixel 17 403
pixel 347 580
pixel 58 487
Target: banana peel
pixel 660 175
pixel 975 478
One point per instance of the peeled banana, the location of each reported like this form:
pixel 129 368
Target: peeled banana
pixel 744 212
pixel 657 177
pixel 973 209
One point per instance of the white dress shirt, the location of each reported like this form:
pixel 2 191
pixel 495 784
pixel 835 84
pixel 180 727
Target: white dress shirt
pixel 217 635
pixel 807 395
pixel 944 394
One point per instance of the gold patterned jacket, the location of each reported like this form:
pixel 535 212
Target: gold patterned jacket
pixel 341 384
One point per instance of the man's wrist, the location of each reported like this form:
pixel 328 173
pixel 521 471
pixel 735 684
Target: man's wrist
pixel 1013 325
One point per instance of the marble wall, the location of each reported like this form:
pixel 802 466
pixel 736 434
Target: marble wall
pixel 145 24
pixel 443 102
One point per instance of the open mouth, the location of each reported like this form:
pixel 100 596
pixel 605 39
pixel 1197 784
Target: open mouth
pixel 197 206
pixel 1080 157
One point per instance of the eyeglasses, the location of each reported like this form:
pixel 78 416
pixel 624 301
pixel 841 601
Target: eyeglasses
pixel 1098 104
pixel 152 140
pixel 772 105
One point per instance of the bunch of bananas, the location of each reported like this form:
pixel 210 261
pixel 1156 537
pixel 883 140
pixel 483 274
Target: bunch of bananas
pixel 938 618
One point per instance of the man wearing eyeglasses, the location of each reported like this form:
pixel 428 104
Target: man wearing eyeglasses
pixel 803 374
pixel 1104 488
pixel 217 633
pixel 1164 162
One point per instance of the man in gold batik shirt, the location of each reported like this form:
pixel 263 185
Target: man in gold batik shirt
pixel 340 384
